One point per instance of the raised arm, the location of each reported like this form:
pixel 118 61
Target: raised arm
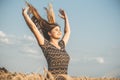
pixel 32 26
pixel 66 35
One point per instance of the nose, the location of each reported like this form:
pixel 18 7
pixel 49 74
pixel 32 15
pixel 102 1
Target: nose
pixel 60 31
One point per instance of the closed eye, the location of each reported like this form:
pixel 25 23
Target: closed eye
pixel 58 29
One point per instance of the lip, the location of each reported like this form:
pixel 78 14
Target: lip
pixel 58 34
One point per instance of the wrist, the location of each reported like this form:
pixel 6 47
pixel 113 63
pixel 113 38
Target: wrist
pixel 66 18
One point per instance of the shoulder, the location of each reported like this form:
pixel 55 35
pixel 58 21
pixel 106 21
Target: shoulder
pixel 61 44
pixel 46 44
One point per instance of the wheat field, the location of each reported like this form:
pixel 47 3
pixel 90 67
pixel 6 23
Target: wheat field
pixel 6 75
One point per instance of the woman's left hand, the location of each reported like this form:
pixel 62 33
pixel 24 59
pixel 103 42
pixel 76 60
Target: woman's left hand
pixel 62 14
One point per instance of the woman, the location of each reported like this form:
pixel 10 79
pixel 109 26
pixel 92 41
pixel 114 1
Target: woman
pixel 53 48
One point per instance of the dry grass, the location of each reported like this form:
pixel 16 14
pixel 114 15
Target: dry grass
pixel 5 75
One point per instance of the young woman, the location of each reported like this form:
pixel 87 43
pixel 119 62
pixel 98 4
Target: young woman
pixel 51 42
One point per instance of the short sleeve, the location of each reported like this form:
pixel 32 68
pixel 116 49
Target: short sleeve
pixel 46 44
pixel 62 44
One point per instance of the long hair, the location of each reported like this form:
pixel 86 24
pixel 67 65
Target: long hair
pixel 43 26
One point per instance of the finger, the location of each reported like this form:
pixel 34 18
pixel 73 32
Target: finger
pixel 23 9
pixel 61 16
pixel 27 7
pixel 27 4
pixel 45 8
pixel 60 10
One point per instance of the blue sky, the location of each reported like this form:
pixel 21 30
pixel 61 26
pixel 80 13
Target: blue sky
pixel 94 45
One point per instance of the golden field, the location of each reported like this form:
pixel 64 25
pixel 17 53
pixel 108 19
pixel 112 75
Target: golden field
pixel 6 75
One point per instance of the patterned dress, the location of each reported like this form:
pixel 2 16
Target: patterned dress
pixel 57 59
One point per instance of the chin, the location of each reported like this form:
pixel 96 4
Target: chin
pixel 57 37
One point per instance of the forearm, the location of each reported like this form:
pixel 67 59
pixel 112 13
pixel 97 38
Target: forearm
pixel 67 25
pixel 66 30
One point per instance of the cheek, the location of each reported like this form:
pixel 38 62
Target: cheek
pixel 54 32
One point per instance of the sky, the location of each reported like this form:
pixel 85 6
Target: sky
pixel 94 45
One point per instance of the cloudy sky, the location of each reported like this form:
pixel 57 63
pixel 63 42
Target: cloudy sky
pixel 94 45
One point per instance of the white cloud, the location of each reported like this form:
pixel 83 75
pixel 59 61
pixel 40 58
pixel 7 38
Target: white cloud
pixel 13 39
pixel 18 40
pixel 2 34
pixel 30 52
pixel 30 38
pixel 100 60
pixel 26 44
pixel 28 49
pixel 3 38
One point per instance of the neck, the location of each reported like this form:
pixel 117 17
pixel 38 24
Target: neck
pixel 54 41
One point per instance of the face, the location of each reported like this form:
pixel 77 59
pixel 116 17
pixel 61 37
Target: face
pixel 55 33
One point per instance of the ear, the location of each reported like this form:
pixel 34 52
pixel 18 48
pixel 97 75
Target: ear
pixel 49 33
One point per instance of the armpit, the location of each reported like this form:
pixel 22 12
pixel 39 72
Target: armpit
pixel 62 44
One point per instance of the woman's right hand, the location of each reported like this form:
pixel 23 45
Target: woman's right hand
pixel 25 10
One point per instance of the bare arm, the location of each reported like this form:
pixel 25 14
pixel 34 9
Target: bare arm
pixel 67 26
pixel 32 26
